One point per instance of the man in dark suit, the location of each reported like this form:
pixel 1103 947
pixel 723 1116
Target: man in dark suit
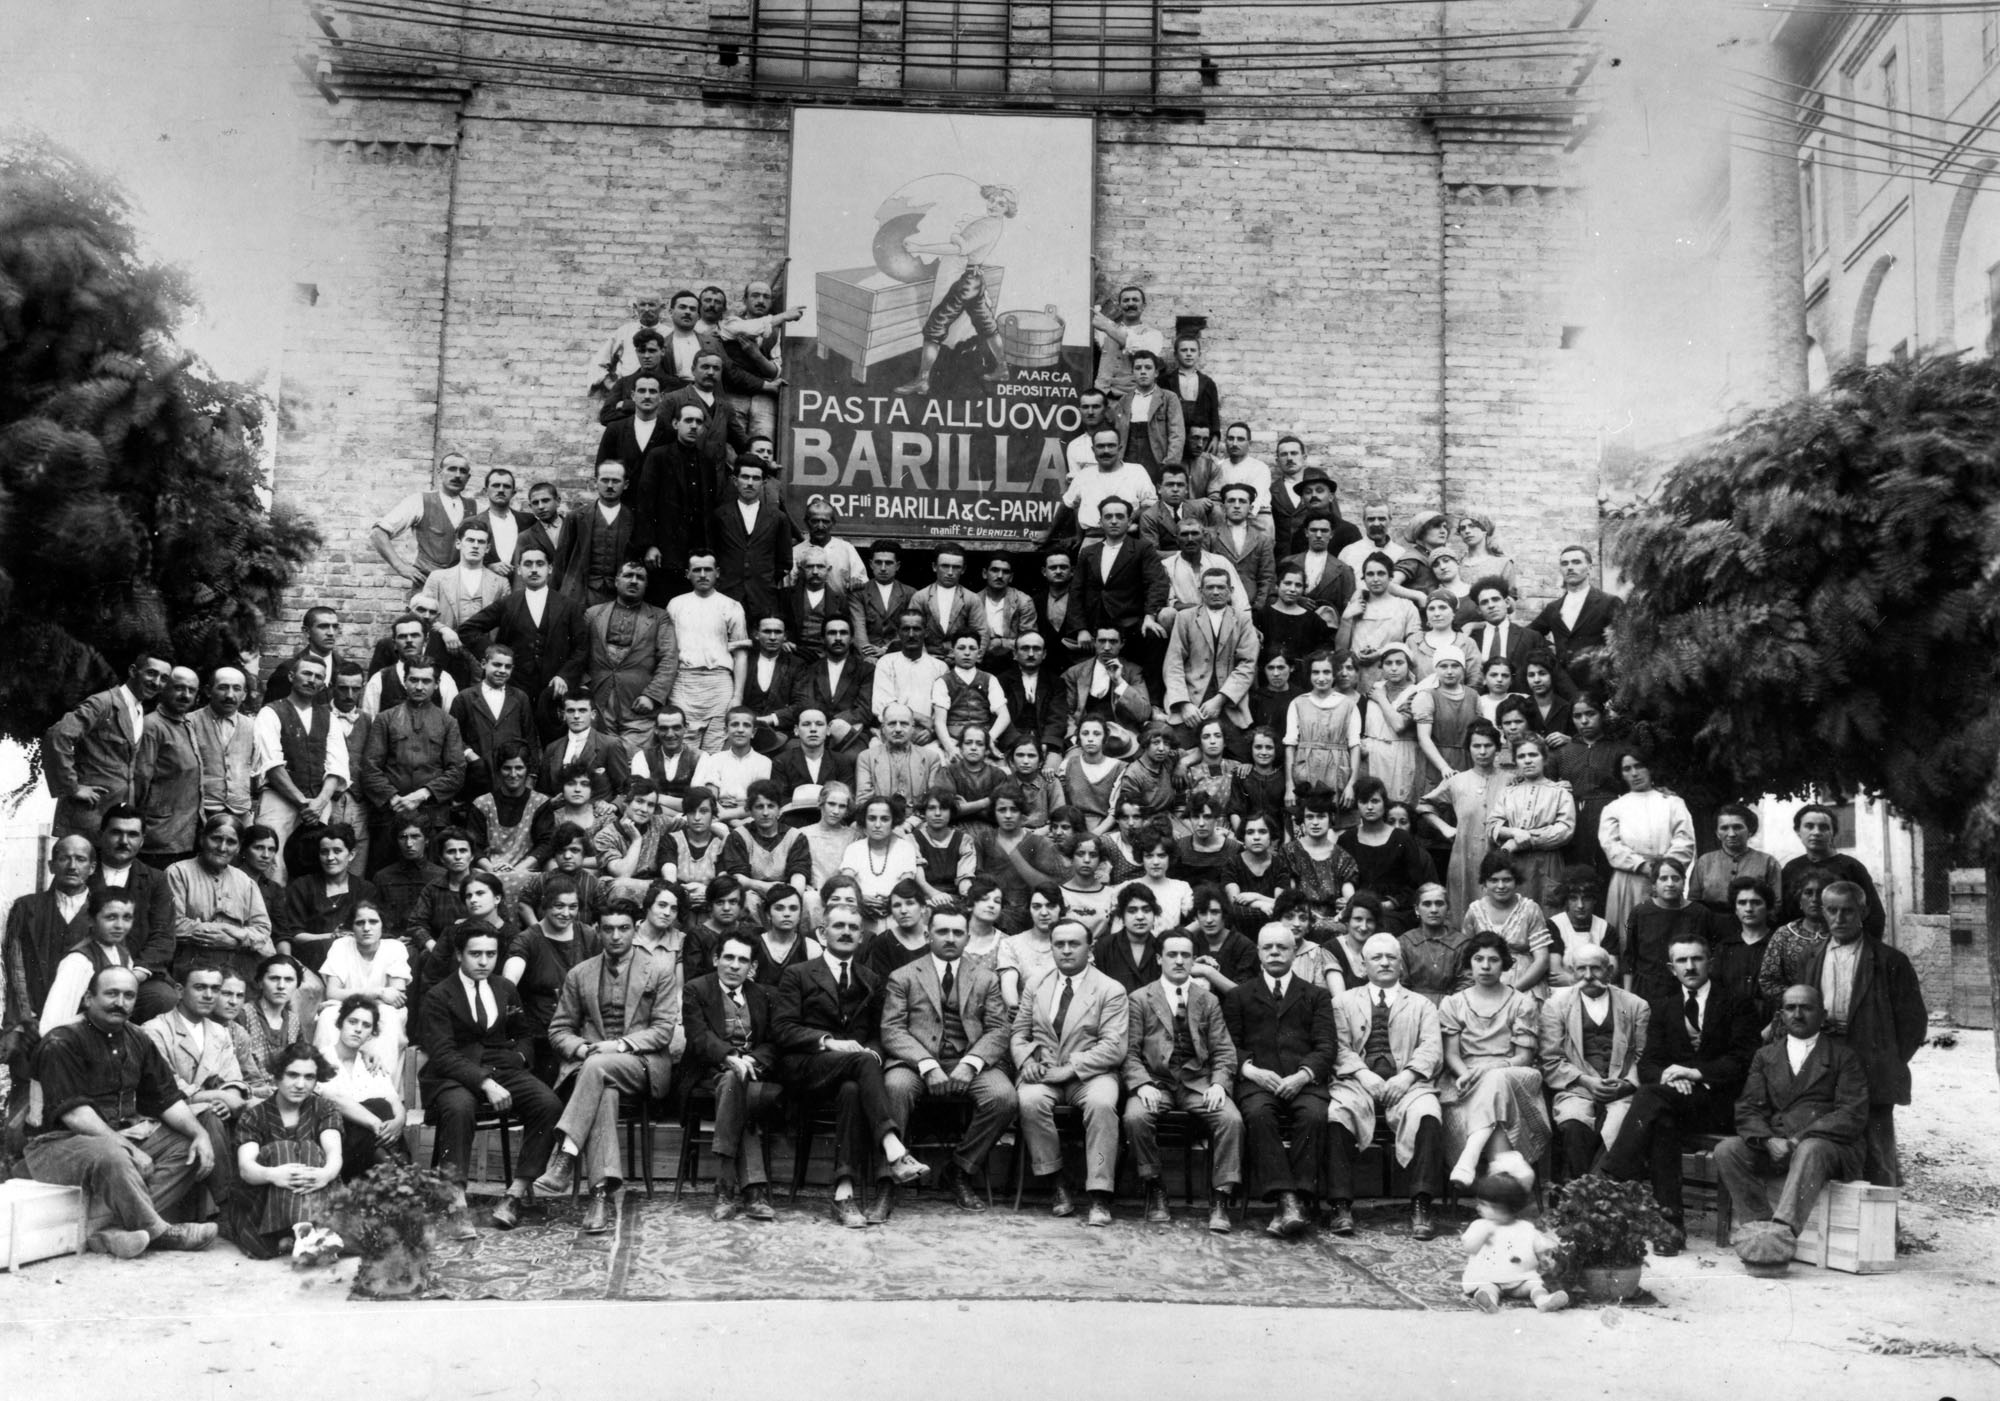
pixel 753 544
pixel 1107 688
pixel 809 759
pixel 322 629
pixel 601 537
pixel 720 439
pixel 1801 1117
pixel 636 425
pixel 483 728
pixel 1282 1028
pixel 545 526
pixel 768 682
pixel 621 402
pixel 1033 690
pixel 879 602
pixel 634 658
pixel 727 1015
pixel 1496 636
pixel 585 744
pixel 1875 1006
pixel 1181 1057
pixel 1698 1049
pixel 616 1022
pixel 152 942
pixel 550 639
pixel 679 492
pixel 1129 592
pixel 467 1027
pixel 945 1031
pixel 839 684
pixel 1580 619
pixel 41 928
pixel 826 1021
pixel 1201 401
pixel 813 602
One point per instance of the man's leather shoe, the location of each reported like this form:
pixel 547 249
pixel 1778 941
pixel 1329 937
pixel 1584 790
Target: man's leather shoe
pixel 1343 1219
pixel 192 1236
pixel 558 1177
pixel 908 1169
pixel 725 1208
pixel 119 1245
pixel 1100 1210
pixel 883 1205
pixel 507 1215
pixel 1156 1203
pixel 846 1212
pixel 597 1216
pixel 1289 1222
pixel 757 1203
pixel 1218 1216
pixel 1060 1202
pixel 1422 1227
pixel 962 1195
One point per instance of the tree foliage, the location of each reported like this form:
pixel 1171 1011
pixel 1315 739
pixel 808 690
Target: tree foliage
pixel 1813 599
pixel 130 511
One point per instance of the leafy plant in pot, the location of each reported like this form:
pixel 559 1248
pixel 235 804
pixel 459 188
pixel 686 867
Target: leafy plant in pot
pixel 1604 1228
pixel 388 1216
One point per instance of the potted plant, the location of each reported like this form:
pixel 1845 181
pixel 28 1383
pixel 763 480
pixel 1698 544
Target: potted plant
pixel 1604 1228
pixel 388 1217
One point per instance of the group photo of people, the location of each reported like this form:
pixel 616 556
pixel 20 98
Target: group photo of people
pixel 1217 809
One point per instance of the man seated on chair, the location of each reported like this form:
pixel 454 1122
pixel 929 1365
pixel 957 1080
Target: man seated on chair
pixel 116 1125
pixel 1391 1048
pixel 1698 1049
pixel 1071 1034
pixel 1592 1035
pixel 1179 1056
pixel 1282 1027
pixel 945 1030
pixel 826 1022
pixel 1802 1117
pixel 727 1015
pixel 202 1059
pixel 467 1027
pixel 615 1029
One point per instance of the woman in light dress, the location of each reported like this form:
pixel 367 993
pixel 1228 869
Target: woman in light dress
pixel 1637 830
pixel 1532 820
pixel 1492 1094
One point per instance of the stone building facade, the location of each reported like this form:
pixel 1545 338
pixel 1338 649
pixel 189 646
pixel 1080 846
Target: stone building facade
pixel 1370 212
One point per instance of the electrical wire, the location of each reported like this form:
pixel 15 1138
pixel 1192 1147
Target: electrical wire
pixel 1942 154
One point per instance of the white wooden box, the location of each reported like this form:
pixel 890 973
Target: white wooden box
pixel 1853 1228
pixel 38 1220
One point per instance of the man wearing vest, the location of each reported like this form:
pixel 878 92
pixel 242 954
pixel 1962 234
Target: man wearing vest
pixel 966 696
pixel 303 773
pixel 414 762
pixel 387 687
pixel 667 760
pixel 432 518
pixel 1180 1057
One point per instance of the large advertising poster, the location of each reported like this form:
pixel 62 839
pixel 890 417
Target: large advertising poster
pixel 944 264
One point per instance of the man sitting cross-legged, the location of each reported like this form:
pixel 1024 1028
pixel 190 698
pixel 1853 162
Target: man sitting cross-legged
pixel 615 1025
pixel 827 1018
pixel 1180 1056
pixel 1071 1033
pixel 1802 1118
pixel 727 1014
pixel 945 1029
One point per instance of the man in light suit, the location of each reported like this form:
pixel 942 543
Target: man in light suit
pixel 1282 1027
pixel 949 608
pixel 87 755
pixel 546 630
pixel 616 1028
pixel 1803 1116
pixel 1391 1047
pixel 1179 1056
pixel 1211 666
pixel 202 1060
pixel 1071 1035
pixel 727 1015
pixel 1107 687
pixel 462 589
pixel 1592 1036
pixel 945 1032
pixel 827 1021
pixel 467 1026
pixel 1245 544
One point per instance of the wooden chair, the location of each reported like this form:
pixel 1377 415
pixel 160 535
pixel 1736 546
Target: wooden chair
pixel 1699 1174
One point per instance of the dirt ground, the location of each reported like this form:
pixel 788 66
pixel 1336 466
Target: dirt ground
pixel 217 1325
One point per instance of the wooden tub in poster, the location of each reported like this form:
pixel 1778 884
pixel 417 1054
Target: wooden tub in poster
pixel 869 317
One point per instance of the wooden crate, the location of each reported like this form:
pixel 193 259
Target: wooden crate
pixel 39 1220
pixel 868 325
pixel 1853 1228
pixel 1971 982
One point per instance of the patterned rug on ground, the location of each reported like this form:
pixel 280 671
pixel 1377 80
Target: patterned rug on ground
pixel 661 1250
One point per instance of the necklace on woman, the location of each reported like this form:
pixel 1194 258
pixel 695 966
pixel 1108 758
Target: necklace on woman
pixel 882 869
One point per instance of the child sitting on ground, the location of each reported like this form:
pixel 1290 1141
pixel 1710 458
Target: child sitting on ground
pixel 1507 1253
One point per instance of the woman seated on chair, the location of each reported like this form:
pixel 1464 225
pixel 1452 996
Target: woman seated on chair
pixel 287 1156
pixel 363 961
pixel 363 1088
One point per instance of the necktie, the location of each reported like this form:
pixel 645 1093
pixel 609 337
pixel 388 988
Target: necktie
pixel 478 1007
pixel 1062 1007
pixel 1377 1052
pixel 949 985
pixel 1693 1015
pixel 840 982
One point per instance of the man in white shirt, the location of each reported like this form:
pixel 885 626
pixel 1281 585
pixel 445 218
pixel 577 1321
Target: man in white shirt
pixel 387 687
pixel 300 753
pixel 1081 454
pixel 1185 568
pixel 1375 537
pixel 684 342
pixel 715 653
pixel 845 570
pixel 731 770
pixel 1112 476
pixel 617 356
pixel 909 675
pixel 1239 467
pixel 503 524
pixel 1118 337
pixel 433 517
pixel 466 587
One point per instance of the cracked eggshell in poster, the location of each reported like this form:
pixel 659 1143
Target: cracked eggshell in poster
pixel 944 263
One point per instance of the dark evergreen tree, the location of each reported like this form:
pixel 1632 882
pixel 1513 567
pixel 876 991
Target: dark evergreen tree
pixel 1814 604
pixel 130 505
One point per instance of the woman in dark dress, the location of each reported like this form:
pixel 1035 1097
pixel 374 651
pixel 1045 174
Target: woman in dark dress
pixel 1588 763
pixel 1207 852
pixel 1287 624
pixel 1738 964
pixel 536 965
pixel 782 943
pixel 1654 926
pixel 318 905
pixel 1388 858
pixel 287 1156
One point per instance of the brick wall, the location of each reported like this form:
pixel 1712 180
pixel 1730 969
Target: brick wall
pixel 1388 286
